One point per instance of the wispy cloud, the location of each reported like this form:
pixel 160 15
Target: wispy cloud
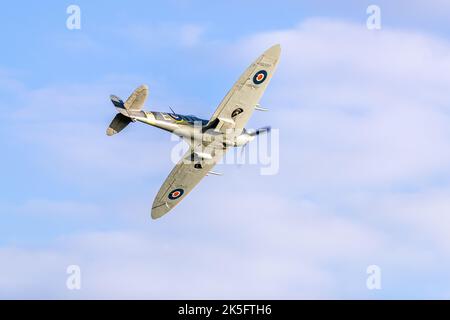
pixel 159 36
pixel 364 171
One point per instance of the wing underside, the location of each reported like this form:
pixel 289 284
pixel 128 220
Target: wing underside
pixel 181 180
pixel 238 105
pixel 233 113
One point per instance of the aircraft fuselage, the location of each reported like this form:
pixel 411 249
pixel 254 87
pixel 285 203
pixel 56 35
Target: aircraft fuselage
pixel 190 127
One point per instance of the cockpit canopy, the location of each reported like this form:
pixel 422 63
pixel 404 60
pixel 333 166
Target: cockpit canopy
pixel 191 119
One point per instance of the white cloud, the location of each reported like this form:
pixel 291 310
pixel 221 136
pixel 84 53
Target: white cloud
pixel 239 256
pixel 363 116
pixel 157 36
pixel 55 210
pixel 191 35
pixel 366 108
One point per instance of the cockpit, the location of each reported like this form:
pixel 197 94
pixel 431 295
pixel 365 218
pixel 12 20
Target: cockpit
pixel 179 118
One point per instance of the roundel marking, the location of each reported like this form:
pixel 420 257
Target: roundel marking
pixel 236 112
pixel 259 77
pixel 175 194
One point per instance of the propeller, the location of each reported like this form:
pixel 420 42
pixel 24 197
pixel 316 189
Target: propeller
pixel 253 134
pixel 259 131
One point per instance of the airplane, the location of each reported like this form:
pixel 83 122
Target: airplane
pixel 208 139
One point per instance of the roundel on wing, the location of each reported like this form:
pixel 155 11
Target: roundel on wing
pixel 260 77
pixel 176 193
pixel 236 112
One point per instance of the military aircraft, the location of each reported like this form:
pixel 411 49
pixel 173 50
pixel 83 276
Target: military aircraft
pixel 208 139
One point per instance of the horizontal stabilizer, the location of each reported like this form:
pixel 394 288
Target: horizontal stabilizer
pixel 117 124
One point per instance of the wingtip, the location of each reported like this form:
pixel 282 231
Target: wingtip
pixel 156 216
pixel 274 50
pixel 158 212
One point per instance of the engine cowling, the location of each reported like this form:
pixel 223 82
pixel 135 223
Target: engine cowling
pixel 243 139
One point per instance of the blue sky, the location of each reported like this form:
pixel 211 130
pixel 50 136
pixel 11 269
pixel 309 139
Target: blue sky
pixel 364 171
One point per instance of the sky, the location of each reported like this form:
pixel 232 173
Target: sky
pixel 363 119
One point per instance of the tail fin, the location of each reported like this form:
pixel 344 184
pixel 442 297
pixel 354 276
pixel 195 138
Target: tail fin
pixel 137 99
pixel 134 103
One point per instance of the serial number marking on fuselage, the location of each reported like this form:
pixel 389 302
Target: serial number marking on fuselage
pixel 252 86
pixel 263 64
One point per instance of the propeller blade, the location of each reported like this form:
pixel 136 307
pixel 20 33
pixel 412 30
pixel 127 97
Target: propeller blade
pixel 253 134
pixel 241 154
pixel 260 130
